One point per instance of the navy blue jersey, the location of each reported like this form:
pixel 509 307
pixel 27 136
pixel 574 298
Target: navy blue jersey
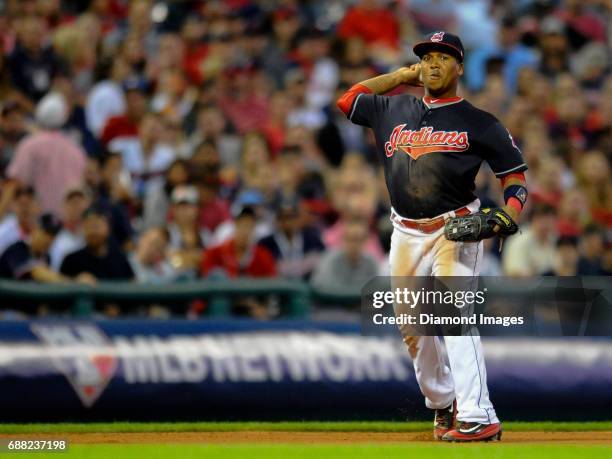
pixel 432 152
pixel 17 261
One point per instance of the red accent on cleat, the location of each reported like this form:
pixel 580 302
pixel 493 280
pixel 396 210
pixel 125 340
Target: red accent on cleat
pixel 473 431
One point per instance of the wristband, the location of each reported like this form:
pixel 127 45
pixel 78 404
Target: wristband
pixel 518 192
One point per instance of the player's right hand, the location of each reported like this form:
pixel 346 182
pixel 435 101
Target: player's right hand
pixel 411 75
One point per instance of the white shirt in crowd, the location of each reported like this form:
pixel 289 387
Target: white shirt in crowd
pixel 65 243
pixel 145 172
pixel 104 101
pixel 10 232
pixel 524 255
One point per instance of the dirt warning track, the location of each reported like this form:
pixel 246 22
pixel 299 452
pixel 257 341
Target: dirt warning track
pixel 263 437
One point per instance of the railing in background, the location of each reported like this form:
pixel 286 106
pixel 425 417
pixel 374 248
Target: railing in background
pixel 296 297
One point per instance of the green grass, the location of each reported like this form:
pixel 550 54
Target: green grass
pixel 489 451
pixel 351 426
pixel 307 451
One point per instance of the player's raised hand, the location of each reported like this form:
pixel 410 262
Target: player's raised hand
pixel 411 75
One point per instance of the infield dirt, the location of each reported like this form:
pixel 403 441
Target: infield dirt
pixel 266 437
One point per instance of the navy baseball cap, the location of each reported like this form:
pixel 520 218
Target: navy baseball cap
pixel 440 41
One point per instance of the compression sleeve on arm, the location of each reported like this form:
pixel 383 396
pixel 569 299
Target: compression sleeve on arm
pixel 346 101
pixel 515 190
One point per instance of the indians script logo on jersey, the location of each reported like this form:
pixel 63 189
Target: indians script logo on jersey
pixel 78 351
pixel 438 36
pixel 424 141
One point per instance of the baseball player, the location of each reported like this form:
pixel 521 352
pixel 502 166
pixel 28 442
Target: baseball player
pixel 431 149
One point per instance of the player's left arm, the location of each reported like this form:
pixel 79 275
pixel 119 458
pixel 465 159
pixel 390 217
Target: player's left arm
pixel 499 150
pixel 514 186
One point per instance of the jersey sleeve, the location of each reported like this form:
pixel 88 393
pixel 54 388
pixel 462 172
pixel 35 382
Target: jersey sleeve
pixel 500 151
pixel 367 109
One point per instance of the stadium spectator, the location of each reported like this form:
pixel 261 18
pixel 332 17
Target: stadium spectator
pixel 349 265
pixel 211 126
pixel 566 258
pixel 113 193
pixel 286 23
pixel 193 33
pixel 244 102
pixel 76 124
pixel 30 260
pixel 532 252
pixel 276 127
pixel 297 249
pixel 574 213
pixel 70 238
pixel 101 258
pixel 18 224
pixel 157 201
pixel 214 210
pixel 554 45
pixel 302 113
pixel 297 179
pixel 174 99
pixel 48 160
pixel 145 157
pixel 106 98
pixel 126 124
pixel 254 156
pixel 323 71
pixel 13 129
pixel 240 255
pixel 354 197
pixel 371 21
pixel 593 175
pixel 207 174
pixel 548 188
pixel 149 261
pixel 186 237
pixel 592 248
pixel 33 63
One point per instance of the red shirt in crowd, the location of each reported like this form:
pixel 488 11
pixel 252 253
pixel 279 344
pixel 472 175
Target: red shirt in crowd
pixel 213 213
pixel 372 25
pixel 259 263
pixel 118 126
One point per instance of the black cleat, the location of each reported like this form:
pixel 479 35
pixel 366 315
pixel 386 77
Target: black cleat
pixel 444 420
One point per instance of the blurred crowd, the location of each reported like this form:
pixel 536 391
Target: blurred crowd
pixel 167 140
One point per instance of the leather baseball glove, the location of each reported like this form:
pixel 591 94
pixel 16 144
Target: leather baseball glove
pixel 480 225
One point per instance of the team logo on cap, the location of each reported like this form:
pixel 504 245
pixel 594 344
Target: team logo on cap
pixel 438 36
pixel 424 141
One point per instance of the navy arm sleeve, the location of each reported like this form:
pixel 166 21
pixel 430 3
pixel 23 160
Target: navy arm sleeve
pixel 500 151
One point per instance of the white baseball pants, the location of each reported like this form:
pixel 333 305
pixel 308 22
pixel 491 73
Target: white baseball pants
pixel 461 372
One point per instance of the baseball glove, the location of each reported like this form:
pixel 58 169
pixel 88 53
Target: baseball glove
pixel 480 225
